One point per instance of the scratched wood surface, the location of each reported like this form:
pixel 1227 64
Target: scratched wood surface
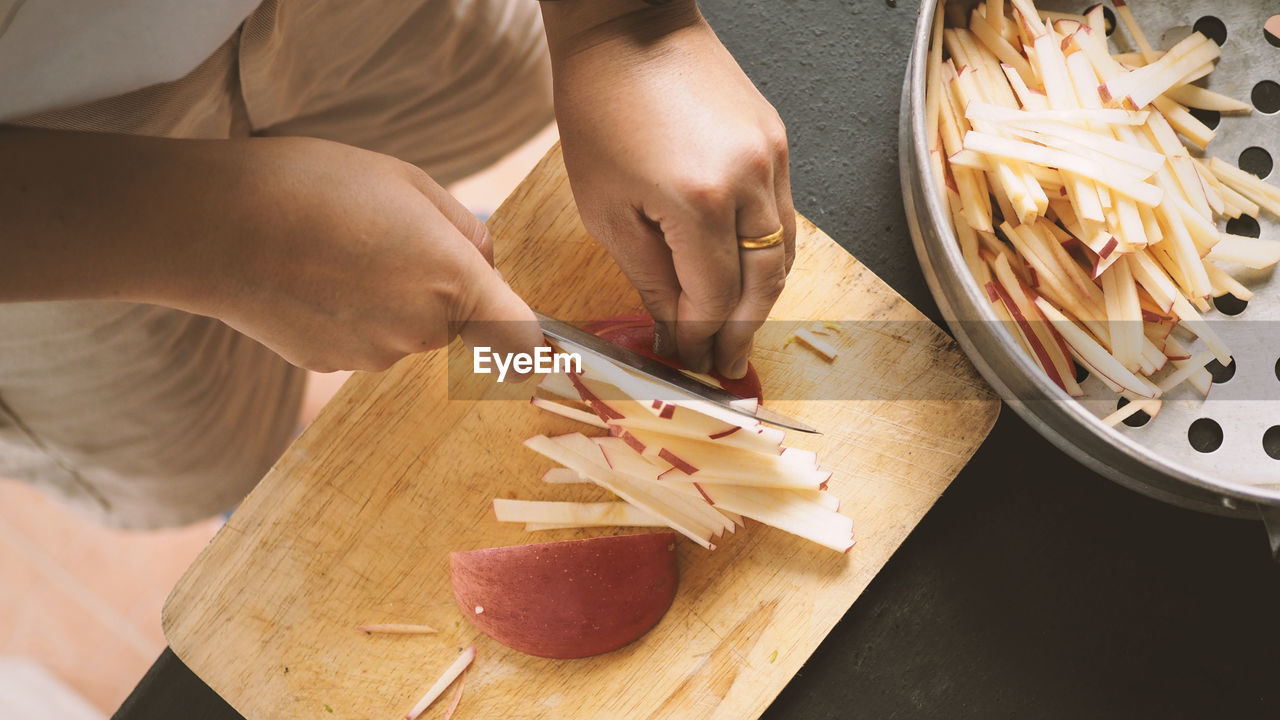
pixel 355 523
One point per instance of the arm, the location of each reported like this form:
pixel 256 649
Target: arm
pixel 334 257
pixel 673 154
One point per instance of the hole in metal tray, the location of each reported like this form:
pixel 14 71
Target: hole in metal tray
pixel 1230 304
pixel 1210 118
pixel 1137 419
pixel 1245 226
pixel 1271 442
pixel 1266 96
pixel 1271 31
pixel 1221 373
pixel 1082 374
pixel 1256 160
pixel 1205 435
pixel 1212 28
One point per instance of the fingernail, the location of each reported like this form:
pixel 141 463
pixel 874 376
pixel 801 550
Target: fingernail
pixel 662 345
pixel 704 364
pixel 739 368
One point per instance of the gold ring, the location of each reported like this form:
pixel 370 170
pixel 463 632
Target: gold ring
pixel 764 241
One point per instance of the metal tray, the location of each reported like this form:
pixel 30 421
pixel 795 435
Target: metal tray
pixel 1158 459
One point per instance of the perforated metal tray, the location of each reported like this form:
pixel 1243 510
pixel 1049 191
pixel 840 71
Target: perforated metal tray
pixel 1160 458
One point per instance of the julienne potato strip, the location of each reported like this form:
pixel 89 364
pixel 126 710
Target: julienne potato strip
pixel 1077 194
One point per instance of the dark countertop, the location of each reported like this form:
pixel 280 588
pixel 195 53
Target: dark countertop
pixel 1035 588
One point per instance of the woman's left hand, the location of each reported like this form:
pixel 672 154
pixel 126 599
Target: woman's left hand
pixel 673 154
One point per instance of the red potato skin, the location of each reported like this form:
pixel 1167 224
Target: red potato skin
pixel 635 332
pixel 569 599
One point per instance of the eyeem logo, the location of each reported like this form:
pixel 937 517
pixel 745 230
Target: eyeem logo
pixel 543 360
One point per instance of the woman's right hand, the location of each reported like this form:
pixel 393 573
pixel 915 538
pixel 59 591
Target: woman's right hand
pixel 336 258
pixel 343 259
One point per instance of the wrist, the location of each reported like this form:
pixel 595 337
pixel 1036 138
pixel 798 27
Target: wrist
pixel 575 25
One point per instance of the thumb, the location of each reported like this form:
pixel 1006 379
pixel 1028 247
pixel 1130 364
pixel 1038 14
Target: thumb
pixel 493 315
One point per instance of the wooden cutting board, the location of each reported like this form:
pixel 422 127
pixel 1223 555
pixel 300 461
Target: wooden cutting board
pixel 355 523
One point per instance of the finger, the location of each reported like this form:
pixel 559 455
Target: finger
pixel 491 315
pixel 763 276
pixel 786 206
pixel 640 250
pixel 471 227
pixel 704 251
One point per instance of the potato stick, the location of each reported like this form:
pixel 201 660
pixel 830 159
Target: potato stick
pixel 994 15
pixel 991 38
pixel 1205 99
pixel 817 344
pixel 1138 87
pixel 1211 188
pixel 994 248
pixel 1229 196
pixel 1189 318
pixel 1087 291
pixel 1183 373
pixel 582 514
pixel 1200 72
pixel 443 683
pixel 934 79
pixel 1027 152
pixel 1058 18
pixel 1241 179
pixel 958 50
pixel 1133 60
pixel 397 629
pixel 970 184
pixel 1250 252
pixel 1129 225
pixel 1152 359
pixel 1106 116
pixel 1266 197
pixel 1052 68
pixel 1151 226
pixel 990 75
pixel 1124 314
pixel 1028 16
pixel 565 411
pixel 1150 407
pixel 1157 78
pixel 1152 278
pixel 1186 124
pixel 1026 196
pixel 968 241
pixel 1084 301
pixel 1032 100
pixel 1135 31
pixel 1179 161
pixel 1095 20
pixel 1224 284
pixel 1053 287
pixel 1047 352
pixel 1182 248
pixel 1097 356
pixel 1082 151
pixel 1106 144
pixel 1084 195
pixel 1204 233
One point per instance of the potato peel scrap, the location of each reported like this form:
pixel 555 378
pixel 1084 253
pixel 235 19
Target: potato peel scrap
pixel 446 679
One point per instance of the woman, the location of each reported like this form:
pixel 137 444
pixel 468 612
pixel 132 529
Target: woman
pixel 197 202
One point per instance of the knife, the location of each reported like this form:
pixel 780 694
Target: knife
pixel 568 335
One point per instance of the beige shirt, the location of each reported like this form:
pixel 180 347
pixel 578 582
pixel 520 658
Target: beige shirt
pixel 142 416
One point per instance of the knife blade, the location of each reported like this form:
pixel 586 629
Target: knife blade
pixel 567 335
